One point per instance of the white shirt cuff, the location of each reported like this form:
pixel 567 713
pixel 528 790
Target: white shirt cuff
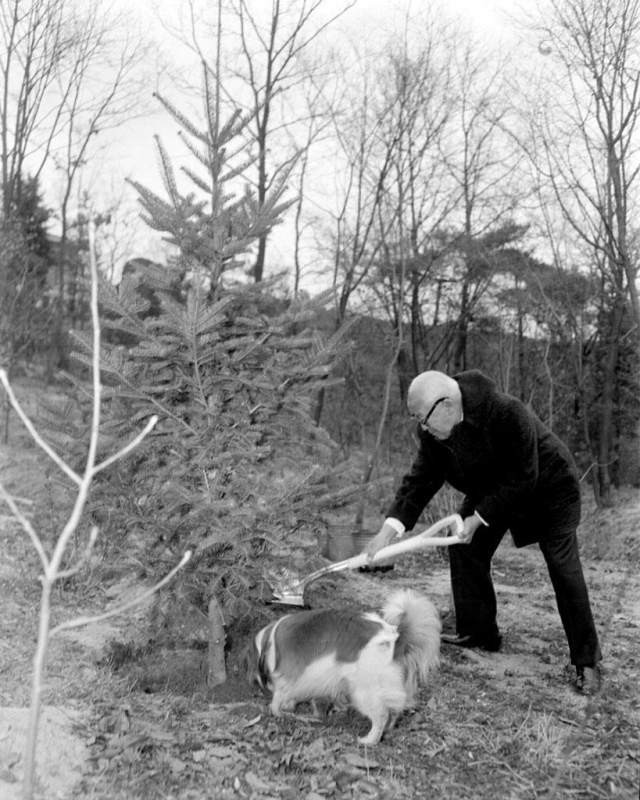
pixel 483 521
pixel 396 525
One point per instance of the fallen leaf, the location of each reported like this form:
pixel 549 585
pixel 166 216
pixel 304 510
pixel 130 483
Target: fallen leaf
pixel 286 760
pixel 175 764
pixel 345 778
pixel 220 752
pixel 120 744
pixel 315 749
pixel 220 737
pixel 362 762
pixel 256 783
pixel 366 788
pixel 119 721
pixel 159 734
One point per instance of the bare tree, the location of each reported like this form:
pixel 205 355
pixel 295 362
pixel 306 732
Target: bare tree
pixel 35 46
pixel 393 193
pixel 270 60
pixel 272 45
pixel 67 72
pixel 315 130
pixel 101 88
pixel 356 190
pixel 416 83
pixel 583 138
pixel 481 162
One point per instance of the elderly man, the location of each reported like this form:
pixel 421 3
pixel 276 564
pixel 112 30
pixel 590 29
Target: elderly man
pixel 515 474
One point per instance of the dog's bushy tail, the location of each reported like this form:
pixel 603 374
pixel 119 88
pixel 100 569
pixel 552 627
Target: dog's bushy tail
pixel 418 644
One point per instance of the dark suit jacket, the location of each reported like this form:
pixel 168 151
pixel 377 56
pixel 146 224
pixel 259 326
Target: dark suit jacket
pixel 511 468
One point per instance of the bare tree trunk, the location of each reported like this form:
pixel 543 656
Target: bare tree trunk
pixel 216 669
pixel 605 427
pixel 59 344
pixel 460 344
pixel 521 361
pixel 263 181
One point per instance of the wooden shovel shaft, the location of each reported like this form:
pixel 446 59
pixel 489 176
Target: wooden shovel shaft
pixel 292 594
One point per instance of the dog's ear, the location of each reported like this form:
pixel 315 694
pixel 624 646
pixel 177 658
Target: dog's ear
pixel 252 663
pixel 262 670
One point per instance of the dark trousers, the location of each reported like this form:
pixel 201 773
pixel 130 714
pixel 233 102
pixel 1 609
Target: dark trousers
pixel 475 599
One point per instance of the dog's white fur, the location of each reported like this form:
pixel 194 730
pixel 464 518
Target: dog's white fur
pixel 375 661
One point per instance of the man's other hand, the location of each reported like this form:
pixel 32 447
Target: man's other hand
pixel 471 525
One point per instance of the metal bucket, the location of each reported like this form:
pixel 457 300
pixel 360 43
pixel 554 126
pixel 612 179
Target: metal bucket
pixel 339 544
pixel 360 540
pixel 345 541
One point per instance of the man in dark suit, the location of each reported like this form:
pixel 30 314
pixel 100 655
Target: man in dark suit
pixel 515 475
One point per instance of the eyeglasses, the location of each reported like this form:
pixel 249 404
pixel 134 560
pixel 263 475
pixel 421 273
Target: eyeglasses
pixel 423 422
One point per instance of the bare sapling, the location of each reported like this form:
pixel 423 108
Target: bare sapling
pixel 52 566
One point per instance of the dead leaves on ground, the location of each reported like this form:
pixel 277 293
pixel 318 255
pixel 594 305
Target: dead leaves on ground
pixel 259 757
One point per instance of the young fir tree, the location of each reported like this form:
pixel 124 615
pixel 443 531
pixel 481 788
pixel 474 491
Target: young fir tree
pixel 233 468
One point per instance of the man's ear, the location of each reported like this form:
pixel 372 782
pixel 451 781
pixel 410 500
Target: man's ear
pixel 453 405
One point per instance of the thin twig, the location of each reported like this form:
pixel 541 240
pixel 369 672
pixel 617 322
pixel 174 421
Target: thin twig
pixel 64 575
pixel 97 386
pixel 34 433
pixel 26 525
pixel 132 444
pixel 79 621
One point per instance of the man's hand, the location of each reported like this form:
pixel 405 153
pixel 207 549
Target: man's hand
pixel 380 540
pixel 471 525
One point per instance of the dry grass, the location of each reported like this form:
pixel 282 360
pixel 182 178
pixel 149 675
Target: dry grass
pixel 504 726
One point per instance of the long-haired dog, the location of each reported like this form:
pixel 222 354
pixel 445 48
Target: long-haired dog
pixel 373 660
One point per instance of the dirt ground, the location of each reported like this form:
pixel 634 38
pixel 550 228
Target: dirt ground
pixel 504 725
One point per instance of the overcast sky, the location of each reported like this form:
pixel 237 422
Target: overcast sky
pixel 132 153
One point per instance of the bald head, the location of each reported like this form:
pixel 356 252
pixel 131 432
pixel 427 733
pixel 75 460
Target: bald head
pixel 430 386
pixel 435 394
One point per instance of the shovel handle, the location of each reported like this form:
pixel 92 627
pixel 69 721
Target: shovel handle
pixel 418 542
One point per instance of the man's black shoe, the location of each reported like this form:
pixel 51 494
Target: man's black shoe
pixel 588 680
pixel 489 643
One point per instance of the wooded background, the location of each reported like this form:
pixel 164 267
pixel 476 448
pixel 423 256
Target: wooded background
pixel 463 206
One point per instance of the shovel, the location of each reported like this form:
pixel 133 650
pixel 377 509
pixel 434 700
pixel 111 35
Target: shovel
pixel 288 587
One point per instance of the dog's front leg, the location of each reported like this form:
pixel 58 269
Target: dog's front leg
pixel 391 723
pixel 320 707
pixel 378 723
pixel 282 704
